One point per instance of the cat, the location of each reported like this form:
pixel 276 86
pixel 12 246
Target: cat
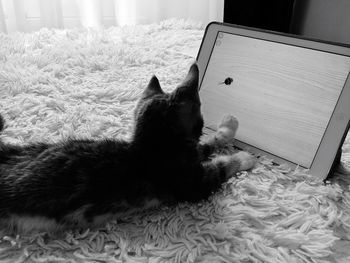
pixel 84 183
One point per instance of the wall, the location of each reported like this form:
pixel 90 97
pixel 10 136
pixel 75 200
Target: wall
pixel 268 14
pixel 323 19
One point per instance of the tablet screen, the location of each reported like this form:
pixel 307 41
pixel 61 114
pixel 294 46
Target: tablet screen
pixel 282 95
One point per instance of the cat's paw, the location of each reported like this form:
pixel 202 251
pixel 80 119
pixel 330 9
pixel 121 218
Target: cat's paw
pixel 246 160
pixel 230 165
pixel 227 130
pixel 235 163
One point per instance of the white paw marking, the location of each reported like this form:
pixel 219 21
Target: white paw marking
pixel 225 159
pixel 29 224
pixel 227 129
pixel 247 160
pixel 230 122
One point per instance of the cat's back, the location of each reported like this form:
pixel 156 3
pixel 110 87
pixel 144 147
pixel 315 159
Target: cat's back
pixel 68 156
pixel 53 179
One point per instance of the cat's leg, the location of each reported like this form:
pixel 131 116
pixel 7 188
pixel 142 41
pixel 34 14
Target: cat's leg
pixel 224 136
pixel 221 168
pixel 231 164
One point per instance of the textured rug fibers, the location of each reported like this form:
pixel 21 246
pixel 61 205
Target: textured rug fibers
pixel 56 84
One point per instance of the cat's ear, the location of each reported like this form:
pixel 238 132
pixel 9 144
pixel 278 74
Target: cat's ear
pixel 153 88
pixel 188 89
pixel 192 79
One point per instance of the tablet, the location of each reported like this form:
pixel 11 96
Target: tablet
pixel 291 95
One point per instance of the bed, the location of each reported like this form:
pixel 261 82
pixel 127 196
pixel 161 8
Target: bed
pixel 56 84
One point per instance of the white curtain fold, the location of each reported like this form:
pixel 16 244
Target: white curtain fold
pixel 31 15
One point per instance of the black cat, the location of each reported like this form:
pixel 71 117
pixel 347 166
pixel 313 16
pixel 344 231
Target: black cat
pixel 83 182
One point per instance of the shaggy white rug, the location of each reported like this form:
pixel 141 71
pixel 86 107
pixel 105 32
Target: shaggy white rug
pixel 60 83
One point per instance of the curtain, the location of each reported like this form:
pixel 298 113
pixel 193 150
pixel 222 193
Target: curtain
pixel 31 15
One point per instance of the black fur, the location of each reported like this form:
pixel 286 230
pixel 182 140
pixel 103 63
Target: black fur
pixel 164 160
pixel 2 123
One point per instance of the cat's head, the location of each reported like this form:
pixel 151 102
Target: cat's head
pixel 176 113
